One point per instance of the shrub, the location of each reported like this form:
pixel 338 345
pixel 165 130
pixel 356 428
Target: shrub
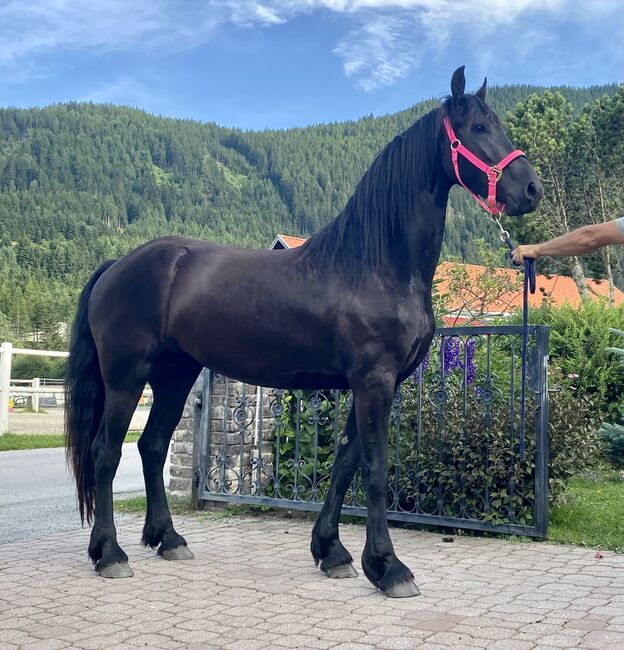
pixel 579 338
pixel 27 367
pixel 613 434
pixel 454 446
pixel 613 437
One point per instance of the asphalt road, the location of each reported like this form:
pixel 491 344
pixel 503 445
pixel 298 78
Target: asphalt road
pixel 37 494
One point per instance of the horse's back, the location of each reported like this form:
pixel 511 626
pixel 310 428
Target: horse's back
pixel 167 292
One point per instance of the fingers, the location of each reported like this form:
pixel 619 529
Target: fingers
pixel 522 252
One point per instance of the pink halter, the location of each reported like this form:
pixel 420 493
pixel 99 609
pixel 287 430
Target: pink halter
pixel 493 173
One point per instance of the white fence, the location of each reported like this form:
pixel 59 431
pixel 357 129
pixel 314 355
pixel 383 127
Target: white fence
pixel 33 389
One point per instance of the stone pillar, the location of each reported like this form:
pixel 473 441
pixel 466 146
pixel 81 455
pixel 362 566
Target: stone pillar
pixel 184 459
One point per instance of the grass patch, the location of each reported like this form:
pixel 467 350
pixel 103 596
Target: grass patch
pixel 177 505
pixel 162 176
pixel 591 513
pixel 184 506
pixel 234 179
pixel 16 441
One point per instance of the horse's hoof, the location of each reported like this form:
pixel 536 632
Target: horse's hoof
pixel 342 571
pixel 405 589
pixel 116 570
pixel 181 552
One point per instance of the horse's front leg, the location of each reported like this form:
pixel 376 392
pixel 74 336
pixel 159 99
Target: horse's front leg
pixel 373 402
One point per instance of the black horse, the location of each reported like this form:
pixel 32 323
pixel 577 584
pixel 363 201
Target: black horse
pixel 351 308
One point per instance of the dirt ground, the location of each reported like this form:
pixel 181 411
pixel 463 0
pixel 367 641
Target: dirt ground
pixel 52 421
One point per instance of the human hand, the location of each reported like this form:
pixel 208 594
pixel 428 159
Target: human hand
pixel 525 251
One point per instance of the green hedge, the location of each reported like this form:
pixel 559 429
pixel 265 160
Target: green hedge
pixel 463 464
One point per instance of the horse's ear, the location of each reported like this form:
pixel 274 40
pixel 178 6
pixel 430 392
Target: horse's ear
pixel 458 83
pixel 482 92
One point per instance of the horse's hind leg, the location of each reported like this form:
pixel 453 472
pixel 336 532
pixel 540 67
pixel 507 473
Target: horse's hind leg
pixel 171 379
pixel 119 405
pixel 326 546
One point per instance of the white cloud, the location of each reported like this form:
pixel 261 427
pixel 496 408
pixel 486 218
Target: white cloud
pixel 123 90
pixel 379 51
pixel 388 38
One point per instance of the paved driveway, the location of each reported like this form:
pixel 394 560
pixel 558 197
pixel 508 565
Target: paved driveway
pixel 254 585
pixel 37 493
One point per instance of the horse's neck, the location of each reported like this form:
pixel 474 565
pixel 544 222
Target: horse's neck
pixel 424 232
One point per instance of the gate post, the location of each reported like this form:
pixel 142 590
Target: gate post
pixel 541 431
pixel 6 352
pixel 36 383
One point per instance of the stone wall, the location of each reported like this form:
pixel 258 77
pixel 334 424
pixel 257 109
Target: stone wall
pixel 239 434
pixel 184 463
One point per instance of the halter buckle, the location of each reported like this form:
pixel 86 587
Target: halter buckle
pixel 497 172
pixel 455 143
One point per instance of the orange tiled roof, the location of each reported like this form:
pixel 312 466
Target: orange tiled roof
pixel 289 241
pixel 559 289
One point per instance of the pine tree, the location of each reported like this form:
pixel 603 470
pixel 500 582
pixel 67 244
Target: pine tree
pixel 613 434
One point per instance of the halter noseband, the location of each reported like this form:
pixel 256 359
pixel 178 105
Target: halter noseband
pixel 493 173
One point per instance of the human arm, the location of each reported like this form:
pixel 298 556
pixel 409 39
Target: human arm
pixel 578 242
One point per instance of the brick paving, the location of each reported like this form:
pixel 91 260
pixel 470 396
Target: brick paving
pixel 253 585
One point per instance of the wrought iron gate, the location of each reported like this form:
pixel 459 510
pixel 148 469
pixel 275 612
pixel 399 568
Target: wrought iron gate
pixel 455 454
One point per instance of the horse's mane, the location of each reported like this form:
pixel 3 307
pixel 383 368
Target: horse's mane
pixel 372 224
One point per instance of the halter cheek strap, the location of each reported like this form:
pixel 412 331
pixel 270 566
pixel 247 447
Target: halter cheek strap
pixel 493 173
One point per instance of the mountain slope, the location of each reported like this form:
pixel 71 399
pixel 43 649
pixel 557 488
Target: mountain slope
pixel 80 183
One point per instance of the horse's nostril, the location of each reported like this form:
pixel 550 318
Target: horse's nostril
pixel 532 190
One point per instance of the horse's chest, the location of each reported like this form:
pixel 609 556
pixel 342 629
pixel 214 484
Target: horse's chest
pixel 418 335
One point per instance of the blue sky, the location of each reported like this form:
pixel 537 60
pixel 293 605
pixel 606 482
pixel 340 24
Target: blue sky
pixel 281 63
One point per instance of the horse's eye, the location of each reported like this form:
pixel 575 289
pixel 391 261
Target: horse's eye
pixel 478 128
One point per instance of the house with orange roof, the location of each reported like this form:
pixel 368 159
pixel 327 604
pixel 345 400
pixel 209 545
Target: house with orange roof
pixel 470 293
pixel 286 241
pixel 465 287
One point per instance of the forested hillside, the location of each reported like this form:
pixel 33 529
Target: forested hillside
pixel 80 183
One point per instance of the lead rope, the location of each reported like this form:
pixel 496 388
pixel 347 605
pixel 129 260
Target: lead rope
pixel 528 287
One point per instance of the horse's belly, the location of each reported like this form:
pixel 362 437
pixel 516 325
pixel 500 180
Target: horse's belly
pixel 284 355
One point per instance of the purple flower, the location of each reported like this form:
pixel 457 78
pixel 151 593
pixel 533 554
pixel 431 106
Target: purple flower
pixel 453 356
pixel 472 366
pixel 421 369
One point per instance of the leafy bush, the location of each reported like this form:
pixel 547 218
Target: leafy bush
pixel 305 442
pixel 579 338
pixel 613 434
pixel 27 367
pixel 454 446
pixel 574 443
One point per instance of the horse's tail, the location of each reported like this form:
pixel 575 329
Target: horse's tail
pixel 84 400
